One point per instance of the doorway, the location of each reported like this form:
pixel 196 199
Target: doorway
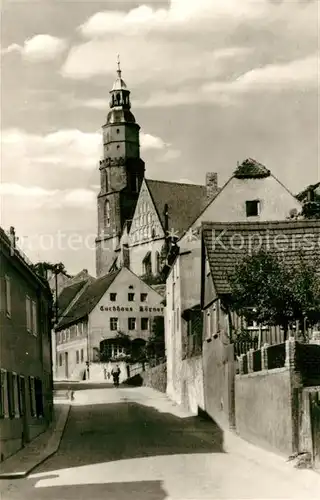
pixel 23 410
pixel 66 365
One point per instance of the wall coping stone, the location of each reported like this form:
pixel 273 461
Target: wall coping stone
pixel 264 372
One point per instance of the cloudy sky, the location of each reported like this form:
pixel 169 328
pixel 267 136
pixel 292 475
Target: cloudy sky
pixel 213 82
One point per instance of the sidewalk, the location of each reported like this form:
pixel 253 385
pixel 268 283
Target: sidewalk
pixel 38 450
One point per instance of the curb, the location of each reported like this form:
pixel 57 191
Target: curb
pixel 52 446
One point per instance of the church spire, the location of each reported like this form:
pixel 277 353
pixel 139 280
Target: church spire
pixel 118 64
pixel 120 95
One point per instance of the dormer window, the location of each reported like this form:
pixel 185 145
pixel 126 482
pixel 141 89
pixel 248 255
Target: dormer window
pixel 252 208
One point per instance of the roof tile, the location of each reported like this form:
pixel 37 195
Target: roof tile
pixel 224 256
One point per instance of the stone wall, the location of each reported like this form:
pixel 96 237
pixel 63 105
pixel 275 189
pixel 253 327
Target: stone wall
pixel 264 408
pixel 192 383
pixel 155 377
pixel 218 370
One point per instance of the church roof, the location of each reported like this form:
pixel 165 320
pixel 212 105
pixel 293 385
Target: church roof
pixel 185 202
pixel 88 300
pixel 119 84
pixel 68 294
pixel 250 169
pixel 228 243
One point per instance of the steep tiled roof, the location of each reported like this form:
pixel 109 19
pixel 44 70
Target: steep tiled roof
pixel 228 243
pixel 68 294
pixel 302 196
pixel 250 169
pixel 88 299
pixel 185 202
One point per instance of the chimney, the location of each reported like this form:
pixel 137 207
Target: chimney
pixel 211 184
pixel 12 237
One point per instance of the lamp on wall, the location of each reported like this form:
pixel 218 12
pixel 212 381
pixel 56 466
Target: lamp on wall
pixel 131 287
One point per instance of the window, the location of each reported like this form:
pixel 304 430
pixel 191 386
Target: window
pixel 60 359
pixel 144 323
pixel 130 297
pixel 34 319
pixel 113 297
pixel 252 208
pixel 131 323
pixel 10 394
pixel 143 297
pixel 21 393
pixel 118 147
pixel 82 356
pixel 158 263
pixel 107 213
pixel 118 131
pixel 15 385
pixel 208 325
pixel 32 397
pixel 77 357
pixel 113 324
pixel 38 397
pixel 4 409
pixel 7 292
pixel 134 183
pixel 28 314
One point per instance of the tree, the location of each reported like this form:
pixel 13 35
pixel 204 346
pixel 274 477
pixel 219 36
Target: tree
pixel 42 268
pixel 155 347
pixel 266 289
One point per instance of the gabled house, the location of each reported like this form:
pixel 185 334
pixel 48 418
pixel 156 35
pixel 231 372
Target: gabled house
pixel 164 211
pixel 252 195
pixel 90 328
pixel 223 247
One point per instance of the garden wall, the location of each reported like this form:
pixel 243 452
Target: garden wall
pixel 155 377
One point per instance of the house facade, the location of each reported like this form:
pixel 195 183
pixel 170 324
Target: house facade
pixel 253 195
pixel 292 240
pixel 93 330
pixel 25 356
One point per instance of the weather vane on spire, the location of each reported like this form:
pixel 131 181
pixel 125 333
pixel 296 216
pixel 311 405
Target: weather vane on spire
pixel 118 63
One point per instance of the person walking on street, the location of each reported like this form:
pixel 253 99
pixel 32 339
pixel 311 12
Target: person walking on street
pixel 116 375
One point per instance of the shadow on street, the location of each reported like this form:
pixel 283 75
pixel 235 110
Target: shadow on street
pixel 101 436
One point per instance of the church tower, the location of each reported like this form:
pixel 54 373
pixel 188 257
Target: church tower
pixel 121 174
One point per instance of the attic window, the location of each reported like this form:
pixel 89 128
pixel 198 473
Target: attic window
pixel 252 208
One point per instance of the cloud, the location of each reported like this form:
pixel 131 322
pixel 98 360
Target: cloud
pixel 70 148
pixel 39 156
pixel 36 197
pixel 148 141
pixel 186 51
pixel 39 48
pixel 170 155
pixel 302 73
pixel 180 14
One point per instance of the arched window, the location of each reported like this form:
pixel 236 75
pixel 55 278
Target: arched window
pixel 107 213
pixel 146 263
pixel 158 263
